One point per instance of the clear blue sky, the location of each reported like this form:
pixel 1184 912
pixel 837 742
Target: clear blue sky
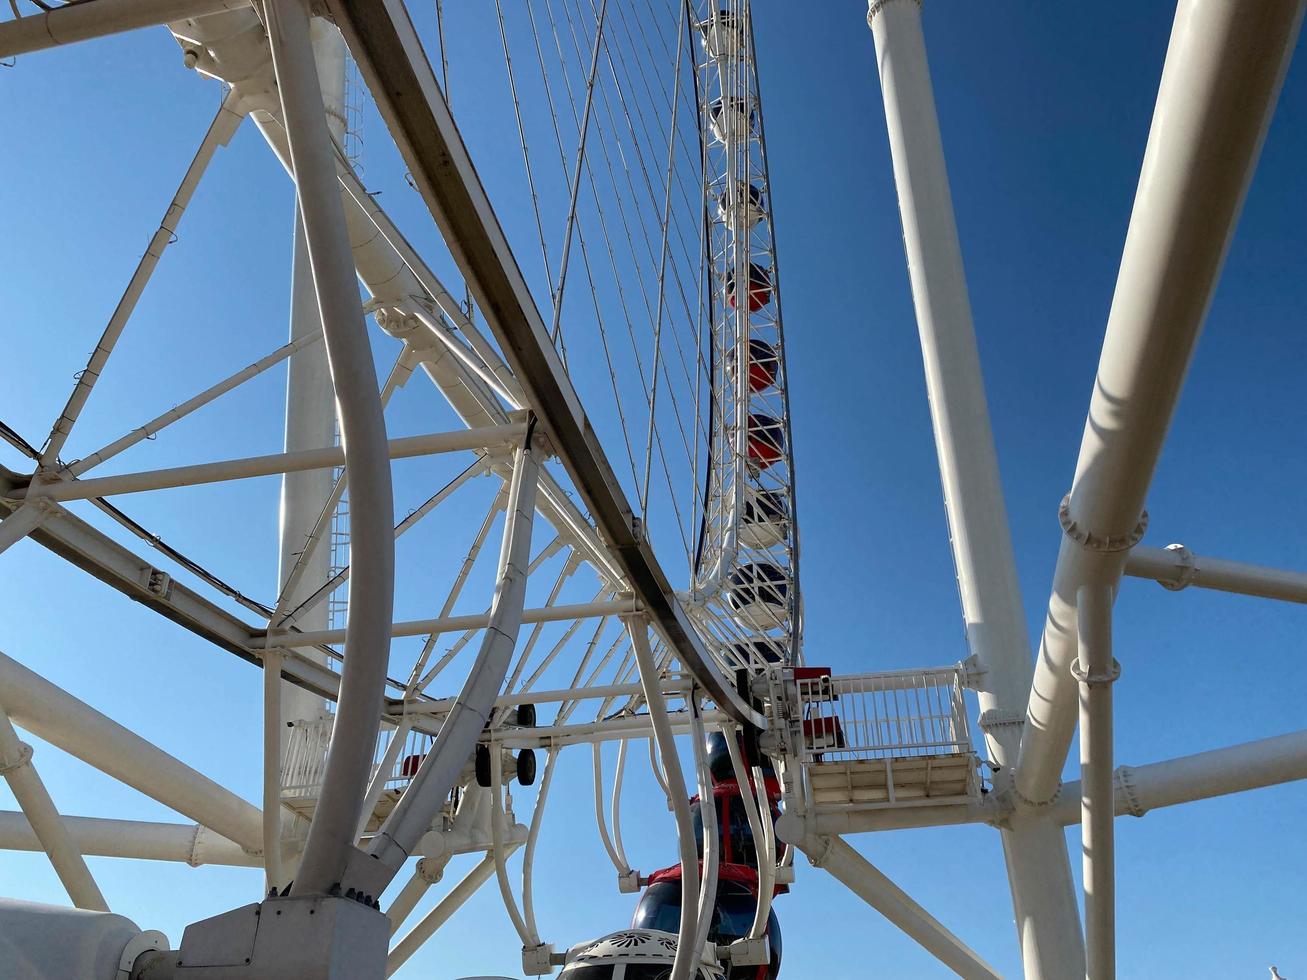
pixel 1044 116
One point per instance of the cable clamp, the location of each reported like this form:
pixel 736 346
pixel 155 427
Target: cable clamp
pixel 1090 541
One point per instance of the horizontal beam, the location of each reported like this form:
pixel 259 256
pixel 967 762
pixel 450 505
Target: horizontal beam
pixel 99 18
pixel 51 713
pixel 1176 567
pixel 255 466
pixel 440 705
pixel 140 840
pixel 1220 772
pixel 456 624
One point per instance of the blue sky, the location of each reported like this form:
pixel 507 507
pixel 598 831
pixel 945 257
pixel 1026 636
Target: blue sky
pixel 1044 117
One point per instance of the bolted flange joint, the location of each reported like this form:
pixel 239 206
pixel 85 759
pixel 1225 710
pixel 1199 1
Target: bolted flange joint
pixel 1188 568
pixel 876 6
pixel 1093 541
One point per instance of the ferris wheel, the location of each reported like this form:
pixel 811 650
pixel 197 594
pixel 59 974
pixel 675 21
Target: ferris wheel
pixel 587 359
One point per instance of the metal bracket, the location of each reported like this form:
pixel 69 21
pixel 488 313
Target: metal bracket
pixel 1104 544
pixel 993 718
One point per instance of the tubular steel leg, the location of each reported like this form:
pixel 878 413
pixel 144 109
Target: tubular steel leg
pixel 1097 670
pixel 363 435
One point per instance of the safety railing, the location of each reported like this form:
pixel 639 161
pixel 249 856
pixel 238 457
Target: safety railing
pixel 874 716
pixel 306 758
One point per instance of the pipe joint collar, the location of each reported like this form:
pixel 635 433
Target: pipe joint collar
pixel 1091 540
pixel 1187 571
pixel 1125 790
pixel 1095 680
pixel 876 6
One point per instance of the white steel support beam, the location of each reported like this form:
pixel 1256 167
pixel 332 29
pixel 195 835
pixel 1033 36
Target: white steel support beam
pixel 869 883
pixel 74 726
pixel 438 916
pixel 651 680
pixel 47 827
pixel 1175 567
pixel 1219 772
pixel 439 771
pixel 330 844
pixel 1039 871
pixel 271 465
pixel 457 624
pixel 1096 670
pixel 1223 72
pixel 99 18
pixel 390 56
pixel 220 131
pixel 137 840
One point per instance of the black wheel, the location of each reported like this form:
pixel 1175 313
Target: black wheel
pixel 483 765
pixel 526 715
pixel 526 767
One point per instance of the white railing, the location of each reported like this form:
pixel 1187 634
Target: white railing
pixel 877 716
pixel 306 758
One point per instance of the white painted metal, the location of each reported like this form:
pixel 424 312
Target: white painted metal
pixel 34 799
pixel 1096 671
pixel 138 840
pixel 457 624
pixel 254 466
pixel 1223 72
pixel 81 22
pixel 671 763
pixel 1219 772
pixel 1175 567
pixel 439 771
pixel 1038 867
pixel 835 855
pixel 61 719
pixel 363 440
pixel 438 916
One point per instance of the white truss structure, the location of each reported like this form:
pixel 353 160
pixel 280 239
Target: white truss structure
pixel 373 779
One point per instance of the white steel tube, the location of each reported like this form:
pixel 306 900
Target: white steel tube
pixel 1175 567
pixel 1039 870
pixel 1223 72
pixel 272 755
pixel 711 838
pixel 459 624
pixel 255 466
pixel 100 18
pixel 866 881
pixel 219 133
pixel 74 726
pixel 615 804
pixel 385 769
pixel 135 839
pixel 687 957
pixel 178 412
pixel 752 802
pixel 1219 772
pixel 533 835
pixel 619 862
pixel 363 441
pixel 1096 671
pixel 500 852
pixel 438 916
pixel 34 799
pixel 465 722
pixel 21 522
pixel 407 900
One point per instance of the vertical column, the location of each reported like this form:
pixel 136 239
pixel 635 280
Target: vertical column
pixel 1096 669
pixel 1039 872
pixel 310 400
